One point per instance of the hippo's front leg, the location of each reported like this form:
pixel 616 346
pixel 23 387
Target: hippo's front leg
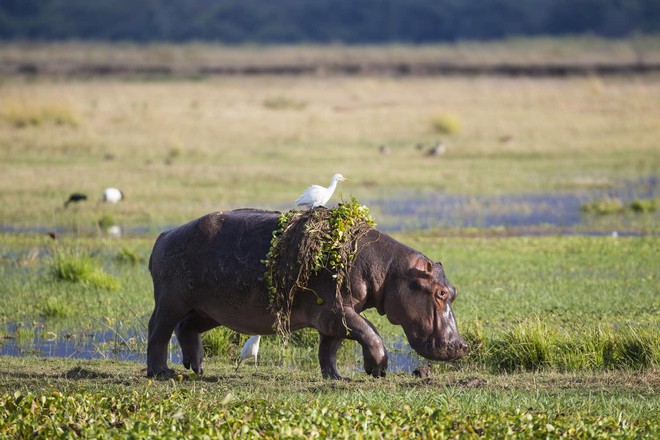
pixel 373 351
pixel 360 330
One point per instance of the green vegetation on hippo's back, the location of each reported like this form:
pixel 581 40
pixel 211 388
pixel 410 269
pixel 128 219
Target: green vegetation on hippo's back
pixel 312 240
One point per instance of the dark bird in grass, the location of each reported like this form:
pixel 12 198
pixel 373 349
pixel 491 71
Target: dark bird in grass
pixel 75 198
pixel 438 150
pixel 384 150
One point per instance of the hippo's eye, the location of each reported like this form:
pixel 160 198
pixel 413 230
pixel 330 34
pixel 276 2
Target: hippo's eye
pixel 441 295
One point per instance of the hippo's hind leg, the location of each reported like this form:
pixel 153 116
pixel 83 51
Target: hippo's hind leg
pixel 161 325
pixel 328 346
pixel 188 334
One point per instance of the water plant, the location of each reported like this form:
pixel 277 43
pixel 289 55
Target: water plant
pixel 79 267
pixel 54 308
pixel 607 205
pixel 303 244
pixel 105 221
pixel 644 205
pixel 129 256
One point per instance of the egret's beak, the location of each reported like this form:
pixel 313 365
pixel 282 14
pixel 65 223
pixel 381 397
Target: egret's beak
pixel 344 179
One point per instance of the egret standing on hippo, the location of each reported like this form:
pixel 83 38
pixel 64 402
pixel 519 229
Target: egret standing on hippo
pixel 211 272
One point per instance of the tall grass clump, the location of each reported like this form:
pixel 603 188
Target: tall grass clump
pixel 54 308
pixel 222 341
pixel 284 103
pixel 78 267
pixel 446 123
pixel 129 256
pixel 608 205
pixel 644 205
pixel 21 114
pixel 533 345
pixel 525 346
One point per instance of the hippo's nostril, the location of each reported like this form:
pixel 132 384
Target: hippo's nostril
pixel 464 346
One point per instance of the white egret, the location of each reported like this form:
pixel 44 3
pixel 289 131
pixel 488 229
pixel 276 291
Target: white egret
pixel 317 195
pixel 249 350
pixel 112 195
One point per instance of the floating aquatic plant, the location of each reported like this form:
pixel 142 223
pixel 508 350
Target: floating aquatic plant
pixel 306 243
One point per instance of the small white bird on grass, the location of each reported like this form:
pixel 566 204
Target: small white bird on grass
pixel 317 195
pixel 249 350
pixel 112 195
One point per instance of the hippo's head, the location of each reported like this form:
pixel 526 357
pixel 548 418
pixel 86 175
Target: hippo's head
pixel 419 299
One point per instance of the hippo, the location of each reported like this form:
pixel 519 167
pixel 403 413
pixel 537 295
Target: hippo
pixel 210 272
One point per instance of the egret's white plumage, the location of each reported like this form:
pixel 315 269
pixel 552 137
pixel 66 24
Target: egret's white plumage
pixel 112 195
pixel 317 195
pixel 250 350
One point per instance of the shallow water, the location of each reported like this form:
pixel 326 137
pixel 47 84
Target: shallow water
pixel 408 211
pixel 560 209
pixel 131 346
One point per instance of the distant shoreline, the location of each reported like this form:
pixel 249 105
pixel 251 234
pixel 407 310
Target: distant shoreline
pixel 532 57
pixel 342 69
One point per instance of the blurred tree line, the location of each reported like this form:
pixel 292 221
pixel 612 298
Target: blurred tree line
pixel 322 21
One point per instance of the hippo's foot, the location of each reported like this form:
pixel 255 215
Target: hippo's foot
pixel 335 376
pixel 161 373
pixel 196 366
pixel 375 368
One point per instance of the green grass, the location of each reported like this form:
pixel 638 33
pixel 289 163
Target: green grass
pixel 563 330
pixel 231 151
pixel 59 397
pixel 78 267
pixel 564 335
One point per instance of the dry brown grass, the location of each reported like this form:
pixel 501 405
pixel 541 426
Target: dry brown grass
pixel 190 58
pixel 182 148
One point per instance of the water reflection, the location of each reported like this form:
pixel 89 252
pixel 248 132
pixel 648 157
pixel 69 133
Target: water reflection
pixel 131 346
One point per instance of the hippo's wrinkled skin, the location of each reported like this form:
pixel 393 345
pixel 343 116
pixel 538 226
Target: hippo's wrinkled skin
pixel 209 272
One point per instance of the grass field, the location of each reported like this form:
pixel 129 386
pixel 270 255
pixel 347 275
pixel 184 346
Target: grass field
pixel 564 336
pixel 180 148
pixel 563 329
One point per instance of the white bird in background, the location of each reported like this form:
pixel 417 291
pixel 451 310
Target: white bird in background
pixel 112 195
pixel 317 195
pixel 249 350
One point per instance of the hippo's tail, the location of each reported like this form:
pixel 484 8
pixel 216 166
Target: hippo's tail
pixel 153 252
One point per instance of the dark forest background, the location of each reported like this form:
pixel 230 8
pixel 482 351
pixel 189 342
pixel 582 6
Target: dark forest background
pixel 322 21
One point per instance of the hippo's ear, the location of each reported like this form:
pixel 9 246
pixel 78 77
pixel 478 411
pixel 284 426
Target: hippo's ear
pixel 429 266
pixel 439 263
pixel 422 281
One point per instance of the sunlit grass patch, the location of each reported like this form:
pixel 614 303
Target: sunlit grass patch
pixel 79 267
pixel 105 221
pixel 22 114
pixel 533 345
pixel 609 205
pixel 222 341
pixel 283 103
pixel 446 123
pixel 644 205
pixel 130 256
pixel 54 308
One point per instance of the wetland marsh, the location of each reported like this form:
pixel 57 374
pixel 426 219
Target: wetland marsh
pixel 558 302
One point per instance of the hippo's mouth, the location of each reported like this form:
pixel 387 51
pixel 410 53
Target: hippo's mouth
pixel 437 349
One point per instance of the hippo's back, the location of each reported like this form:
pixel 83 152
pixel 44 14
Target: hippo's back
pixel 219 249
